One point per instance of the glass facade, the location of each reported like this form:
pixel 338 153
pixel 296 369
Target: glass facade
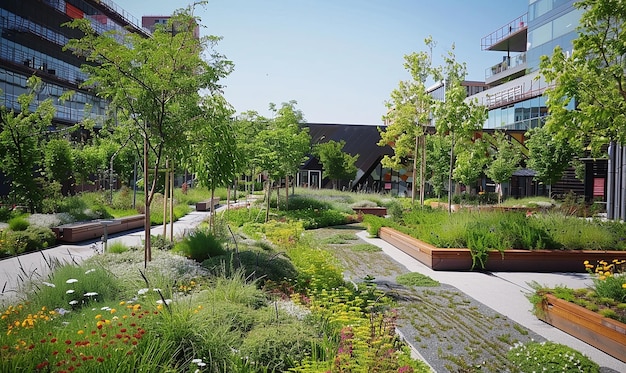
pixel 32 41
pixel 551 23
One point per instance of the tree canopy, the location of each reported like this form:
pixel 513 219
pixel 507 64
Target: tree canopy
pixel 337 165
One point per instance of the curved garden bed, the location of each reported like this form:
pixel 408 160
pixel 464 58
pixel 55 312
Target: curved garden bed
pixel 460 259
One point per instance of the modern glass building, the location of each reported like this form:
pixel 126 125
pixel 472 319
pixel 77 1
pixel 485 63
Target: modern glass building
pixel 32 39
pixel 515 97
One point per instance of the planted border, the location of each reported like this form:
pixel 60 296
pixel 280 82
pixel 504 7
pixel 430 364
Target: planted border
pixel 460 259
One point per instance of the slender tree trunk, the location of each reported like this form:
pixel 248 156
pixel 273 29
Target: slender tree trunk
pixel 172 203
pixel 423 171
pixel 147 249
pixel 450 175
pixel 166 186
pixel 269 195
pixel 286 193
pixel 414 186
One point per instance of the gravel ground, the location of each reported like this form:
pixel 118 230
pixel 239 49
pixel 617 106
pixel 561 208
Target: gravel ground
pixel 451 331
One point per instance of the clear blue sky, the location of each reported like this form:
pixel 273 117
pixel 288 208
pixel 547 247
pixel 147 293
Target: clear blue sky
pixel 339 59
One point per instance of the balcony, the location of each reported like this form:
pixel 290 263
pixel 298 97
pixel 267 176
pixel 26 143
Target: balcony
pixel 511 37
pixel 510 67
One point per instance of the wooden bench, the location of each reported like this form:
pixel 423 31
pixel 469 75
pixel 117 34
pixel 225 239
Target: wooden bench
pixel 208 204
pixel 76 232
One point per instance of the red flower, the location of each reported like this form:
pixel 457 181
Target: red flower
pixel 42 365
pixel 68 342
pixel 100 359
pixel 53 340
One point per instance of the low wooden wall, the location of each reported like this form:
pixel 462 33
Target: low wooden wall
pixel 76 232
pixel 460 259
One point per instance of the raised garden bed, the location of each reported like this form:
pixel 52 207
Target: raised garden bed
pixel 76 232
pixel 378 211
pixel 601 332
pixel 460 259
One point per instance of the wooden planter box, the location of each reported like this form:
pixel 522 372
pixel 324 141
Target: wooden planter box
pixel 378 211
pixel 601 332
pixel 453 259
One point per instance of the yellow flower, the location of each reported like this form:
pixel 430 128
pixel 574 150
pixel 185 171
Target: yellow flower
pixel 624 286
pixel 98 316
pixel 113 310
pixel 122 303
pixel 80 331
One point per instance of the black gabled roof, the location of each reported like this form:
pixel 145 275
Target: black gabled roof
pixel 359 139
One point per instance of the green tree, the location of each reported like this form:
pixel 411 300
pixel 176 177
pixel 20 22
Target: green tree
pixel 408 112
pixel 247 128
pixel 294 141
pixel 438 162
pixel 549 155
pixel 470 163
pixel 58 163
pixel 154 84
pixel 592 79
pixel 213 157
pixel 337 164
pixel 456 117
pixel 505 161
pixel 21 141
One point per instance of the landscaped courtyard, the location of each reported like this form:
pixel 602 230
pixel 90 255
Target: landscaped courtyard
pixel 266 297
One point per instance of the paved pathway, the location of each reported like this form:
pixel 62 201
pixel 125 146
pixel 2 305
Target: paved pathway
pixel 505 293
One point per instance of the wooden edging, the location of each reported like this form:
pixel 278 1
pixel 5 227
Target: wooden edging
pixel 603 333
pixel 460 259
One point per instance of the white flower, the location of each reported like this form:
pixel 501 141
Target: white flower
pixel 167 301
pixel 61 311
pixel 142 291
pixel 69 291
pixel 71 281
pixel 105 309
pixel 196 361
pixel 201 364
pixel 73 302
pixel 156 290
pixel 49 284
pixel 91 294
pixel 89 271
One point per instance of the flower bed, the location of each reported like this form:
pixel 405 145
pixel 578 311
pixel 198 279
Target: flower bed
pixel 601 332
pixel 460 259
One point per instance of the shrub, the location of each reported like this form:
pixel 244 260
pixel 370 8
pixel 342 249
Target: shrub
pixel 5 213
pixel 278 348
pixel 117 247
pixel 200 245
pixel 550 357
pixel 18 223
pixel 32 239
pixel 71 286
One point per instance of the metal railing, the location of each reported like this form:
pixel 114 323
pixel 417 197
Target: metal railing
pixel 518 24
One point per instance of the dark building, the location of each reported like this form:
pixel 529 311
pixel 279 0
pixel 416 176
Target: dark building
pixel 362 140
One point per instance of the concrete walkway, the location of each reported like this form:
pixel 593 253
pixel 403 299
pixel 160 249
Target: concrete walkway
pixel 505 293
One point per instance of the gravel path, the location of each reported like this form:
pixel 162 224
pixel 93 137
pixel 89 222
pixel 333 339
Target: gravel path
pixel 451 331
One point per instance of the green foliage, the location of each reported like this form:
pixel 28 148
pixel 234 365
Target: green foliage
pixel 18 223
pixel 31 239
pixel 75 284
pixel 257 264
pixel 22 139
pixel 200 245
pixel 550 357
pixel 416 279
pixel 365 247
pixel 278 347
pixel 336 164
pixel 117 247
pixel 238 217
